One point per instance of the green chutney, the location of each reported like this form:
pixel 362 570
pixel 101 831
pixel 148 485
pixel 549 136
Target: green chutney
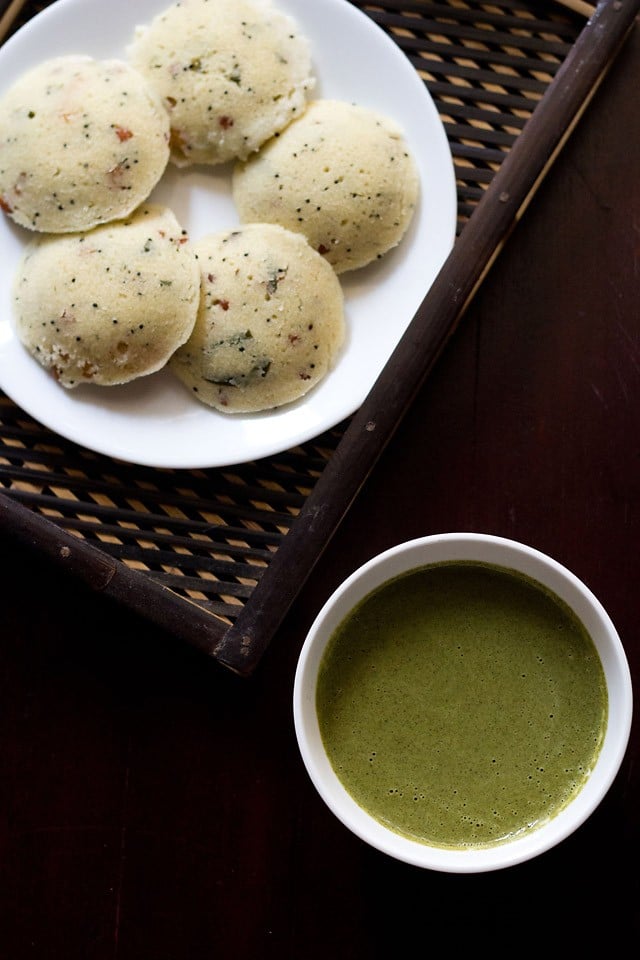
pixel 462 704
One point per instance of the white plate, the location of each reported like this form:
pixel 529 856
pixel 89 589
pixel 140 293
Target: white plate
pixel 155 421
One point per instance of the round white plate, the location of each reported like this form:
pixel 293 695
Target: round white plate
pixel 155 421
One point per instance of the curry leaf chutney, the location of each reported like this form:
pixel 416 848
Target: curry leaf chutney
pixel 462 704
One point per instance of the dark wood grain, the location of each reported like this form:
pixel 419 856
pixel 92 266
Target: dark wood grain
pixel 153 806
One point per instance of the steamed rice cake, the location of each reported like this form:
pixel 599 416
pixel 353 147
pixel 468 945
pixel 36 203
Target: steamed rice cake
pixel 109 305
pixel 82 142
pixel 341 174
pixel 270 323
pixel 231 73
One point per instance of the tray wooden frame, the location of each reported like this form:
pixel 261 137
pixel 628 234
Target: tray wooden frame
pixel 219 556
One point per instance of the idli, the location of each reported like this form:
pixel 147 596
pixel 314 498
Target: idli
pixel 231 73
pixel 270 322
pixel 109 305
pixel 82 142
pixel 341 174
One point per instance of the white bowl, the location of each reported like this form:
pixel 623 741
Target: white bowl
pixel 503 553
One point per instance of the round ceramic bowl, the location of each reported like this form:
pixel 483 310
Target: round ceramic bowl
pixel 536 566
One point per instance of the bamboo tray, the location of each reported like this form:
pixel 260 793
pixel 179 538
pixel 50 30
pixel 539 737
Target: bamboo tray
pixel 219 556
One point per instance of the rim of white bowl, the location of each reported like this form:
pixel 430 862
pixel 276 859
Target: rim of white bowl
pixel 510 554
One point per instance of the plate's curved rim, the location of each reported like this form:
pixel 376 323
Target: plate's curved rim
pixel 264 443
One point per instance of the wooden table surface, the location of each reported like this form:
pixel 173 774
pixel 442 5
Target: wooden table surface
pixel 154 806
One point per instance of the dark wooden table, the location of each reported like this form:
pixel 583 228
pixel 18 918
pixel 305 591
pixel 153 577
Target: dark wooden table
pixel 154 806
